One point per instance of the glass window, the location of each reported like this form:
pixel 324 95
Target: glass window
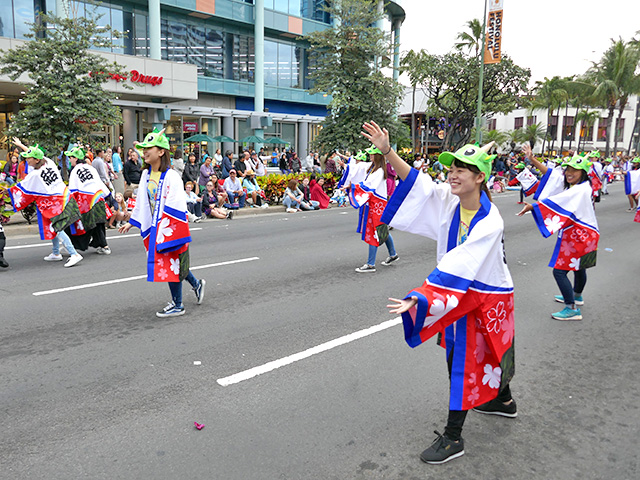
pixel 128 32
pixel 568 128
pixel 243 58
pixel 141 36
pixel 23 13
pixel 104 14
pixel 6 18
pixel 165 46
pixel 295 66
pixel 214 50
pixel 284 65
pixel 619 129
pixel 602 130
pixel 117 23
pixel 268 4
pixel 518 123
pixel 289 133
pixel 281 6
pixel 196 41
pixel 270 63
pixel 295 7
pixel 531 120
pixel 177 41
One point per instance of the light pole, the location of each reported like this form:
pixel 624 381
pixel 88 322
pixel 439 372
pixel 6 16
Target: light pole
pixel 481 80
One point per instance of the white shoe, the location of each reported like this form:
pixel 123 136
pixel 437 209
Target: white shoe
pixel 73 260
pixel 265 205
pixel 103 251
pixel 52 257
pixel 291 210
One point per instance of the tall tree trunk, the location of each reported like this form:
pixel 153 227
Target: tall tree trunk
pixel 615 129
pixel 575 124
pixel 553 138
pixel 609 122
pixel 566 112
pixel 413 120
pixel 544 140
pixel 635 125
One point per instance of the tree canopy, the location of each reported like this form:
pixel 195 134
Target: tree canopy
pixel 64 98
pixel 346 62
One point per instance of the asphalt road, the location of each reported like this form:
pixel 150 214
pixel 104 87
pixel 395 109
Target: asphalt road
pixel 93 385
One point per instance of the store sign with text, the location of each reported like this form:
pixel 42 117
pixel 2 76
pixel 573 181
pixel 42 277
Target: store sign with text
pixel 190 127
pixel 136 77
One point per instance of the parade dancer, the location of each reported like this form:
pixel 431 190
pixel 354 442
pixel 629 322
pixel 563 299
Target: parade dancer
pixel 90 193
pixel 468 298
pixel 632 184
pixel 368 193
pixel 161 215
pixel 57 209
pixel 3 242
pixel 564 205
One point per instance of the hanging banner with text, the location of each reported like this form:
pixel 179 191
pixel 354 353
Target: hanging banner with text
pixel 493 39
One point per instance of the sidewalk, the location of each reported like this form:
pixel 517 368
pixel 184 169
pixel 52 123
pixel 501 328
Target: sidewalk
pixel 18 225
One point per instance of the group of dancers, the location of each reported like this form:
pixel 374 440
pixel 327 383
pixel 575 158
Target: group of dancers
pixel 468 299
pixel 76 214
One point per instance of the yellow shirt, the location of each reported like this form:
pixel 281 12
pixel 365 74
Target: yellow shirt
pixel 152 187
pixel 465 221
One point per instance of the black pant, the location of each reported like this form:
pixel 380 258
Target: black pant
pixel 567 291
pixel 456 418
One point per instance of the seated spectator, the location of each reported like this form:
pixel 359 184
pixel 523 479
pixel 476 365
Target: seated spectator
pixel 194 202
pixel 340 197
pixel 210 202
pixel 10 169
pixel 221 196
pixel 120 211
pixel 306 193
pixel 318 194
pixel 293 198
pixel 254 192
pixel 234 190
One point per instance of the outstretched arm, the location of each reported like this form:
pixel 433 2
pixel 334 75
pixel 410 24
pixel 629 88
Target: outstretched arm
pixel 401 306
pixel 18 143
pixel 380 138
pixel 528 153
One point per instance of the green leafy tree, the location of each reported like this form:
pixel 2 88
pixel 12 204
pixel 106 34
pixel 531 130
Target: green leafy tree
pixel 451 83
pixel 532 133
pixel 65 98
pixel 587 119
pixel 346 63
pixel 415 65
pixel 549 94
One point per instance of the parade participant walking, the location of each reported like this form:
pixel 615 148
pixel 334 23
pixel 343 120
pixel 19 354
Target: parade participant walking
pixel 90 193
pixel 368 193
pixel 57 209
pixel 161 215
pixel 632 184
pixel 469 296
pixel 564 205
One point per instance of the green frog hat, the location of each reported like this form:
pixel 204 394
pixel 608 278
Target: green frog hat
pixel 372 150
pixel 578 162
pixel 76 152
pixel 33 152
pixel 520 166
pixel 157 138
pixel 361 156
pixel 594 154
pixel 636 160
pixel 473 155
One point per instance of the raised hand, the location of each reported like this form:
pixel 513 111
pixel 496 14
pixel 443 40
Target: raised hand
pixel 376 135
pixel 400 306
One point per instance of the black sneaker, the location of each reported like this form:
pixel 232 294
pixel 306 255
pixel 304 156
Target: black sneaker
pixel 442 450
pixel 199 291
pixel 3 262
pixel 496 407
pixel 171 310
pixel 366 268
pixel 390 260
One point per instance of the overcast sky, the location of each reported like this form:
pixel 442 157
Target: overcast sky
pixel 551 37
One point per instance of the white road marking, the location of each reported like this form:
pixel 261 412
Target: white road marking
pixel 137 277
pixel 267 367
pixel 48 244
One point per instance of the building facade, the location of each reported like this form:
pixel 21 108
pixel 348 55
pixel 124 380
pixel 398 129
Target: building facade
pixel 221 67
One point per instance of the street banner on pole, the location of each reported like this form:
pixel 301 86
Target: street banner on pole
pixel 493 40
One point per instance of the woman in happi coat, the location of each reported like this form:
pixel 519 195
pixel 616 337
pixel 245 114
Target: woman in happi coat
pixel 368 194
pixel 90 194
pixel 57 209
pixel 565 205
pixel 161 215
pixel 468 298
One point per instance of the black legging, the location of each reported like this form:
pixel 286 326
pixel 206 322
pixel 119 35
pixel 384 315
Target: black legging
pixel 580 280
pixel 456 418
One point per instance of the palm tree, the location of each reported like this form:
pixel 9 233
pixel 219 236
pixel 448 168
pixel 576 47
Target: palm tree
pixel 588 119
pixel 497 136
pixel 615 79
pixel 532 133
pixel 471 40
pixel 416 66
pixel 549 95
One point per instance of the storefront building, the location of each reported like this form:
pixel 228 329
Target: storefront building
pixel 218 67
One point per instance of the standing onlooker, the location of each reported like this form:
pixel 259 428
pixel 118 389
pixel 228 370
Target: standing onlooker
pixel 131 170
pixel 103 171
pixel 261 168
pixel 191 170
pixel 178 162
pixel 217 157
pixel 295 163
pixel 227 163
pixel 118 167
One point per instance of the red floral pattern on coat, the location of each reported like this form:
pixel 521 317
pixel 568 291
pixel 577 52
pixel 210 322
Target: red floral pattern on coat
pixel 376 208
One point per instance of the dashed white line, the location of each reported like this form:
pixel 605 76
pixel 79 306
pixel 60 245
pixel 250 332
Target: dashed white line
pixel 137 277
pixel 267 367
